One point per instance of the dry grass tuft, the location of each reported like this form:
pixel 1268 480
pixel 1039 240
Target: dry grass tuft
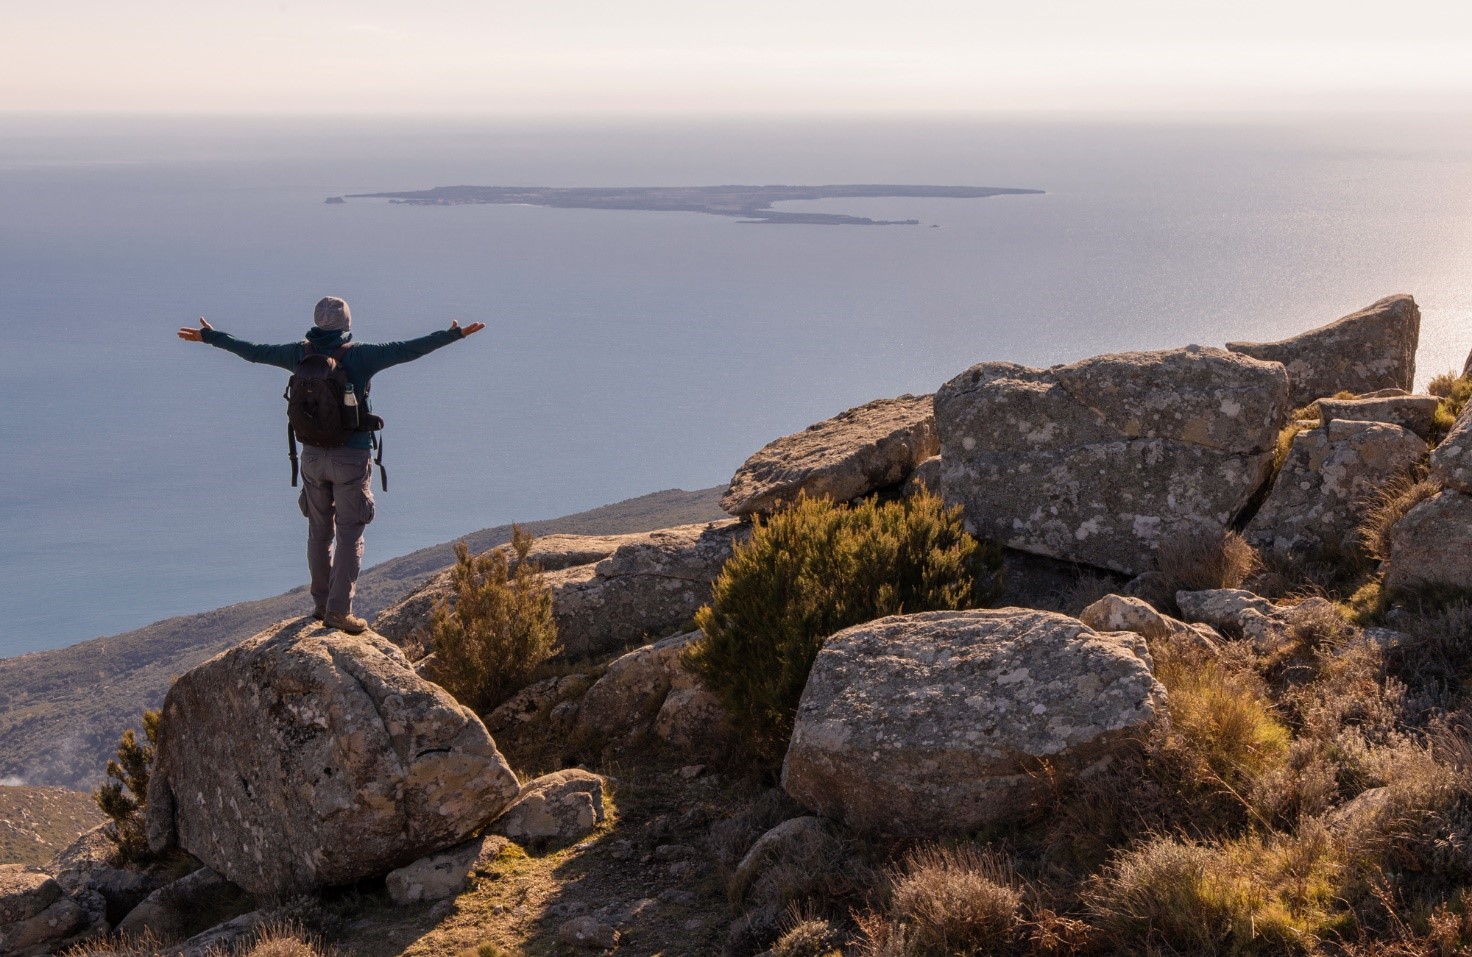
pixel 955 900
pixel 1454 390
pixel 809 937
pixel 1245 897
pixel 1389 505
pixel 1206 558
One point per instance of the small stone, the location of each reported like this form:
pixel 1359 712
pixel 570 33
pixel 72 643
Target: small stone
pixel 674 895
pixel 621 850
pixel 588 933
pixel 692 771
pixel 674 852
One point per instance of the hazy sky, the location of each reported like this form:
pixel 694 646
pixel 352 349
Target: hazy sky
pixel 682 55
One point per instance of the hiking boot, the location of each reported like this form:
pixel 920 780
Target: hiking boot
pixel 348 623
pixel 320 612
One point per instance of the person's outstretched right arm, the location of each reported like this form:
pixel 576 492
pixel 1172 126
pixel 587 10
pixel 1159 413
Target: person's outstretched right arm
pixel 286 355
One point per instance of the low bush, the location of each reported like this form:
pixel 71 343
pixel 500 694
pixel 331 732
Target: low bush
pixel 809 937
pixel 124 797
pixel 815 568
pixel 499 629
pixel 1454 390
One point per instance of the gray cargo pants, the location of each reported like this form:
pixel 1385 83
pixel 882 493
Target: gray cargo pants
pixel 338 502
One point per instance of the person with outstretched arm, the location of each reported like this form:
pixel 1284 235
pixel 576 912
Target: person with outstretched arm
pixel 336 496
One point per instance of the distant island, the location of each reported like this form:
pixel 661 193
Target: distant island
pixel 753 204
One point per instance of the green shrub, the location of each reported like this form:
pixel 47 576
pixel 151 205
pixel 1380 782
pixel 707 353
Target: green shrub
pixel 1454 390
pixel 124 797
pixel 816 568
pixel 500 628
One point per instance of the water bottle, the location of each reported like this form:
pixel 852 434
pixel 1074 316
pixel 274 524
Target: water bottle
pixel 350 403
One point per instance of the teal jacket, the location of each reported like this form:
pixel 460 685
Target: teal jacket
pixel 362 362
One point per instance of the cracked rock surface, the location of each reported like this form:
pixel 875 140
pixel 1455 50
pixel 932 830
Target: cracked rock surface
pixel 930 723
pixel 305 758
pixel 1098 461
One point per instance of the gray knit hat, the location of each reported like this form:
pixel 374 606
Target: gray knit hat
pixel 333 315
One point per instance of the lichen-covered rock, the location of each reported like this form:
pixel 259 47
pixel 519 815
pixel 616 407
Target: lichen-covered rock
pixel 871 447
pixel 1241 614
pixel 1431 545
pixel 1372 349
pixel 693 718
pixel 650 586
pixel 1414 412
pixel 1128 613
pixel 443 874
pixel 630 693
pixel 87 864
pixel 926 476
pixel 38 917
pixel 304 758
pixel 588 933
pixel 931 723
pixel 1099 461
pixel 188 906
pixel 1319 499
pixel 536 700
pixel 558 808
pixel 1451 461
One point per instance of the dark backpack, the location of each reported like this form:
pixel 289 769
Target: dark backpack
pixel 314 407
pixel 315 412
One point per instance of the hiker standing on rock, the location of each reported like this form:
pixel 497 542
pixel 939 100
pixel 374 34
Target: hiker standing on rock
pixel 327 410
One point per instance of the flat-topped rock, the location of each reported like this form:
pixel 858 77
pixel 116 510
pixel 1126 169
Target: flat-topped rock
pixel 931 723
pixel 1372 349
pixel 1098 461
pixel 305 758
pixel 1414 412
pixel 1432 544
pixel 874 446
pixel 1326 484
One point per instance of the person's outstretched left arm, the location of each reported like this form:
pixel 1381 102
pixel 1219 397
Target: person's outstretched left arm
pixel 377 356
pixel 286 355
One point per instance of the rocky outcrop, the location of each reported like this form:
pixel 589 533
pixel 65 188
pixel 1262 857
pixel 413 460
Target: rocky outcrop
pixel 1237 613
pixel 648 586
pixel 1414 412
pixel 1098 461
pixel 1330 474
pixel 1372 349
pixel 304 758
pixel 88 865
pixel 872 447
pixel 1451 461
pixel 931 723
pixel 556 808
pixel 38 917
pixel 1431 545
pixel 632 691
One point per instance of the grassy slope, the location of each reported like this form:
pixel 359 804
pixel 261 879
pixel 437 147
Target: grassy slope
pixel 61 711
pixel 36 823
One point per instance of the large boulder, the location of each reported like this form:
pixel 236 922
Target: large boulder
pixel 556 808
pixel 190 905
pixel 304 758
pixel 1365 351
pixel 865 449
pixel 1330 474
pixel 934 723
pixel 1431 545
pixel 1099 461
pixel 648 587
pixel 1414 412
pixel 629 695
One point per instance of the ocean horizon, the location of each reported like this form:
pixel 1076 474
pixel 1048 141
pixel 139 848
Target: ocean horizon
pixel 626 351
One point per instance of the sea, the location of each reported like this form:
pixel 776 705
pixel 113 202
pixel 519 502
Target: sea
pixel 143 477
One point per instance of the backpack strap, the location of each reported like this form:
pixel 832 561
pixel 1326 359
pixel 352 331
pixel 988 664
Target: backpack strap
pixel 291 452
pixel 376 440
